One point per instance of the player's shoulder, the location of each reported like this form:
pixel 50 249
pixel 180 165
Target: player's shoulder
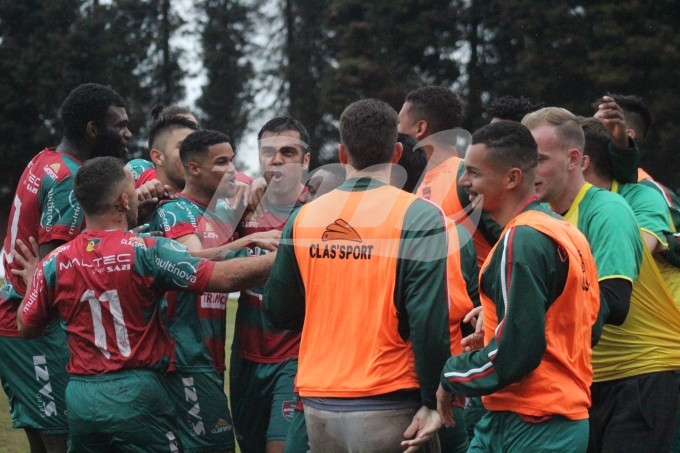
pixel 642 193
pixel 55 166
pixel 138 167
pixel 603 204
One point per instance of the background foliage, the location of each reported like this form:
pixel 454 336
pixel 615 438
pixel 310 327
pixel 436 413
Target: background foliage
pixel 311 58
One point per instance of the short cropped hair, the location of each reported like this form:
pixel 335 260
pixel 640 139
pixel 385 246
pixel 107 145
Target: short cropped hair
pixel 159 130
pixel 197 143
pixel 511 108
pixel 87 102
pixel 368 129
pixel 597 146
pixel 568 130
pixel 440 107
pixel 97 182
pixel 637 113
pixel 160 111
pixel 283 124
pixel 509 145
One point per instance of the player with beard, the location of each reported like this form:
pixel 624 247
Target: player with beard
pixel 95 124
pixel 165 137
pixel 264 358
pixel 203 221
pixel 106 285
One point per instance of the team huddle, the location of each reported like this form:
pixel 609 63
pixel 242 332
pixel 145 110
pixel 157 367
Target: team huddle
pixel 518 294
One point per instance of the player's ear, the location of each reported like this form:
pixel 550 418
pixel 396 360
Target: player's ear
pixel 123 202
pixel 157 157
pixel 574 158
pixel 342 154
pixel 422 130
pixel 91 129
pixel 305 161
pixel 396 154
pixel 631 133
pixel 585 163
pixel 194 169
pixel 513 178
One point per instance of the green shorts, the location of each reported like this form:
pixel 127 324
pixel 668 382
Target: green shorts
pixel 33 375
pixel 204 422
pixel 262 401
pixel 297 440
pixel 507 432
pixel 129 411
pixel 455 439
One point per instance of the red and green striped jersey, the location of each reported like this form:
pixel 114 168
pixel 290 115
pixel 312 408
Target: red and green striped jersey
pixel 107 287
pixel 142 170
pixel 196 322
pixel 45 208
pixel 255 337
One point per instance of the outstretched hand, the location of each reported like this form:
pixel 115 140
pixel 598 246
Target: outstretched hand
pixel 28 259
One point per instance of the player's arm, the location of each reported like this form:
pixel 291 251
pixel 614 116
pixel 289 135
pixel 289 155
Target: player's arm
pixel 421 296
pixel 421 300
pixel 239 274
pixel 174 268
pixel 616 293
pixel 470 272
pixel 624 155
pixel 284 293
pixel 616 244
pixel 35 311
pixel 519 342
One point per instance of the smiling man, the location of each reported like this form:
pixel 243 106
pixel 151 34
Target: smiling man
pixel 540 299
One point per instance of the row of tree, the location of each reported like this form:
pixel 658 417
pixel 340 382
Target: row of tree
pixel 313 57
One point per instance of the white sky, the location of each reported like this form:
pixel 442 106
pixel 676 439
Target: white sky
pixel 188 39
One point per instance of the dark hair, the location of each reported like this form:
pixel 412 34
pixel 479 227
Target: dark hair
pixel 97 182
pixel 509 144
pixel 160 111
pixel 438 106
pixel 283 124
pixel 413 161
pixel 368 129
pixel 511 108
pixel 87 102
pixel 197 144
pixel 597 146
pixel 638 116
pixel 168 124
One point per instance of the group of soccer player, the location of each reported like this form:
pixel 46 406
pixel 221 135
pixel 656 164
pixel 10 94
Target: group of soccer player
pixel 519 294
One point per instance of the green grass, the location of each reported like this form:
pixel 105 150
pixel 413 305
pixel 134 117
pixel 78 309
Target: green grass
pixel 14 440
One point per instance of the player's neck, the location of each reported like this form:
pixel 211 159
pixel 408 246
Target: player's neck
pixel 562 203
pixel 512 205
pixel 71 148
pixel 163 178
pixel 107 222
pixel 284 199
pixel 196 192
pixel 379 172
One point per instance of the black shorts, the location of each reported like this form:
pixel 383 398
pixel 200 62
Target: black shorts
pixel 635 414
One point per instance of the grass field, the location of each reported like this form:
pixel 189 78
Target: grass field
pixel 14 440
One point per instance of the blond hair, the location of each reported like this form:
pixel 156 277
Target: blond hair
pixel 568 130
